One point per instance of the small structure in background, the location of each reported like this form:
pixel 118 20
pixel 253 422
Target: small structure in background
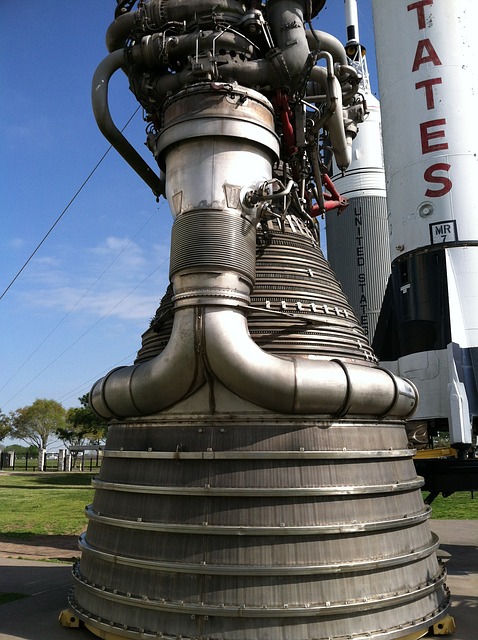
pixel 74 458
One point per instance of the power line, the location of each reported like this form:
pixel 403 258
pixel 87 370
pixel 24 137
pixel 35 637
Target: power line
pixel 77 302
pixel 87 383
pixel 63 212
pixel 84 333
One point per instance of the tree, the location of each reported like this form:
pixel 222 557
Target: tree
pixel 37 422
pixel 5 426
pixel 82 425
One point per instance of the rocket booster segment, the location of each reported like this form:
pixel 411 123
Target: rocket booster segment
pixel 426 53
pixel 358 245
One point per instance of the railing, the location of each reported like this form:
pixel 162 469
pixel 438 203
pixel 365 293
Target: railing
pixel 59 461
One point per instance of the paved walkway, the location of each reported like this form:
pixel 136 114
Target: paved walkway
pixel 47 584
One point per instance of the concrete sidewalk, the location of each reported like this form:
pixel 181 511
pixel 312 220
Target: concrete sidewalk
pixel 47 584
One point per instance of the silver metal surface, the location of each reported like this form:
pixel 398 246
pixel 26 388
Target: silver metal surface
pixel 256 482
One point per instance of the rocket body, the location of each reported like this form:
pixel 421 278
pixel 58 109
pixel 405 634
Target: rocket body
pixel 358 246
pixel 358 240
pixel 428 328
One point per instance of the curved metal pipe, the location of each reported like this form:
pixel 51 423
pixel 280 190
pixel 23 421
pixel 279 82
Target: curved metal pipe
pixel 119 30
pixel 286 18
pixel 149 387
pixel 160 12
pixel 281 384
pixel 341 145
pixel 288 66
pixel 295 384
pixel 347 75
pixel 211 292
pixel 320 40
pixel 99 99
pixel 152 48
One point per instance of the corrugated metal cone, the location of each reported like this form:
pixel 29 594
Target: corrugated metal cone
pixel 218 519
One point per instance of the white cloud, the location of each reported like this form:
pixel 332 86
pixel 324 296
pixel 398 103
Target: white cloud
pixel 121 279
pixel 123 250
pixel 113 245
pixel 16 243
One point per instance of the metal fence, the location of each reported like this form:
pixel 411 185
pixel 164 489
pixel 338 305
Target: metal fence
pixel 76 459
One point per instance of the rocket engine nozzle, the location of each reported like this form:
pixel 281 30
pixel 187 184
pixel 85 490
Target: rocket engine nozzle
pixel 256 481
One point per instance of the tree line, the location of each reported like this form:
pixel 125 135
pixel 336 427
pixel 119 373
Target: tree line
pixel 37 423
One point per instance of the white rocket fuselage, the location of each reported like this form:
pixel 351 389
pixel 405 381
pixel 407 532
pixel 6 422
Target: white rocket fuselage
pixel 358 246
pixel 426 55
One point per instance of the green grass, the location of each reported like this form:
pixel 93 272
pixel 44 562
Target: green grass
pixel 44 503
pixel 458 506
pixel 53 504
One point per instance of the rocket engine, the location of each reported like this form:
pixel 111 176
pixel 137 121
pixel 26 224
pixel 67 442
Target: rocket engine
pixel 256 481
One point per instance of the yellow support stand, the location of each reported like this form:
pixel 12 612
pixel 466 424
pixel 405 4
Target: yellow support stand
pixel 68 619
pixel 444 627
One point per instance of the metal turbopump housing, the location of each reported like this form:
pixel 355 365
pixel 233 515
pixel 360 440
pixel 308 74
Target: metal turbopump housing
pixel 256 481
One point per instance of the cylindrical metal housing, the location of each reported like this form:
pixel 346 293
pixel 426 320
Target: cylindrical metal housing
pixel 426 52
pixel 228 137
pixel 358 240
pixel 219 520
pixel 258 529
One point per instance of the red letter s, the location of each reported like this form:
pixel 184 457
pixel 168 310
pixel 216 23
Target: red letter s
pixel 430 176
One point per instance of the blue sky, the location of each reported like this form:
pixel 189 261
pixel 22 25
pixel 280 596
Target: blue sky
pixel 81 304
